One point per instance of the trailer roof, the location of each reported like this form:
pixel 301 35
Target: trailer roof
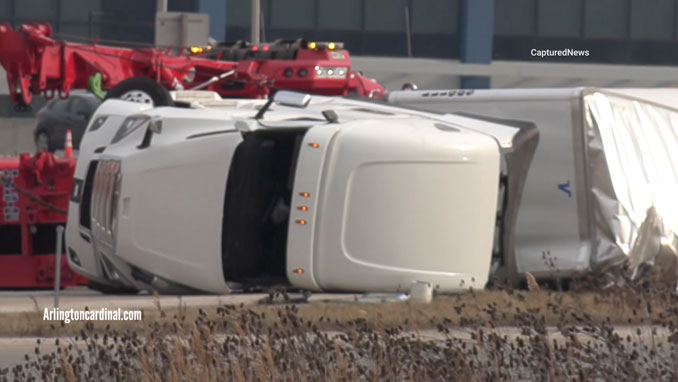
pixel 666 97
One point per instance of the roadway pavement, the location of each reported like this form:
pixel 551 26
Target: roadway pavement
pixel 13 349
pixel 16 135
pixel 80 297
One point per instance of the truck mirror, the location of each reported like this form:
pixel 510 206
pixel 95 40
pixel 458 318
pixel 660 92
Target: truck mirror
pixel 154 127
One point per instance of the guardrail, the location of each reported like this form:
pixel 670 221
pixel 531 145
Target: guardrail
pixel 392 72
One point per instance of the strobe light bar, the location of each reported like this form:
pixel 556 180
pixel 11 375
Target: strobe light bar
pixel 331 72
pixel 199 49
pixel 325 45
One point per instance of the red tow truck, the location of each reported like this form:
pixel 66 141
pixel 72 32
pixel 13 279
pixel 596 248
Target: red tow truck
pixel 36 188
pixel 35 192
pixel 37 64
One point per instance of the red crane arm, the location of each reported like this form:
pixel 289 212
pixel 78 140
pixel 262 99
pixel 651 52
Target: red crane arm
pixel 37 64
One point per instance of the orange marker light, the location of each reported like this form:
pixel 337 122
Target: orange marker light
pixel 312 45
pixel 298 271
pixel 303 208
pixel 304 194
pixel 314 145
pixel 331 46
pixel 301 222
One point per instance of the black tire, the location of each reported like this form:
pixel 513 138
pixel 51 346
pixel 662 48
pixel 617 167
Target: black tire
pixel 409 86
pixel 43 141
pixel 108 289
pixel 158 94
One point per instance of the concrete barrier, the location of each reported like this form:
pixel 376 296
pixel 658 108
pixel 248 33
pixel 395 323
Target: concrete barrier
pixel 431 73
pixel 16 135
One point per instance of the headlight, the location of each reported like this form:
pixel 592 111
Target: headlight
pixel 331 72
pixel 129 125
pixel 97 123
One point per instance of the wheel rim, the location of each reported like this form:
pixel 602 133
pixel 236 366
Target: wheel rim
pixel 137 96
pixel 42 142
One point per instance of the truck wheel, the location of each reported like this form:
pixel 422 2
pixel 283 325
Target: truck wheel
pixel 107 289
pixel 410 86
pixel 141 90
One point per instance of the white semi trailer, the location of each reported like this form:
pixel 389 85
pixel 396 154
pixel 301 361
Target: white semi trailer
pixel 317 193
pixel 602 187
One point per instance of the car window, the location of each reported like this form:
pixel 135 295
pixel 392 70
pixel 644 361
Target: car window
pixel 59 105
pixel 93 103
pixel 79 106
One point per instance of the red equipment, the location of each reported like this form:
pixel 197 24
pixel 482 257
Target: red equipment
pixel 37 64
pixel 35 192
pixel 68 149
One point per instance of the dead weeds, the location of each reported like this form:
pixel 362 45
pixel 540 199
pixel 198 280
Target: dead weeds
pixel 352 341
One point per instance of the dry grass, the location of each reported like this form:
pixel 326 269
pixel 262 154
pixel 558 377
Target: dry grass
pixel 619 305
pixel 374 342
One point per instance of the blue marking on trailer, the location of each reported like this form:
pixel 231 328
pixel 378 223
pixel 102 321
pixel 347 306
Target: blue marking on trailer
pixel 565 187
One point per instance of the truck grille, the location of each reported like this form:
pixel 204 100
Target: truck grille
pixel 105 195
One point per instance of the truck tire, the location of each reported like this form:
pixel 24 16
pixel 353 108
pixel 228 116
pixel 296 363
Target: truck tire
pixel 108 289
pixel 141 90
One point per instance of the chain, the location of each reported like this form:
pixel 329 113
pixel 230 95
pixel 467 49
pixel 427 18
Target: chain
pixel 34 198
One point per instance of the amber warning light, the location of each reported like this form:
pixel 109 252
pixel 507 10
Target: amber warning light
pixel 199 49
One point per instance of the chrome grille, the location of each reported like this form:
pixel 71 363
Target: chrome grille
pixel 105 195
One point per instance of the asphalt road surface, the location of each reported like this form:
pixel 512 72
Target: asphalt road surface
pixel 13 349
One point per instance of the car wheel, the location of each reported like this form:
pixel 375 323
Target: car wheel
pixel 108 289
pixel 42 141
pixel 142 90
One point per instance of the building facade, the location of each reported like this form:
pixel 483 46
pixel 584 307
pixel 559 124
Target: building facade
pixel 614 31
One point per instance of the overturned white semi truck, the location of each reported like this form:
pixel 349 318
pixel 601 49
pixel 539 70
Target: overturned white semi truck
pixel 334 194
pixel 603 185
pixel 318 193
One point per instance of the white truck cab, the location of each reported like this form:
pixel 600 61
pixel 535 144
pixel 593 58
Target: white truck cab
pixel 317 193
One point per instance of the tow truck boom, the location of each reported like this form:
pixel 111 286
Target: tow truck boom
pixel 37 64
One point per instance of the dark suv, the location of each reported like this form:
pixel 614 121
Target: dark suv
pixel 58 116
